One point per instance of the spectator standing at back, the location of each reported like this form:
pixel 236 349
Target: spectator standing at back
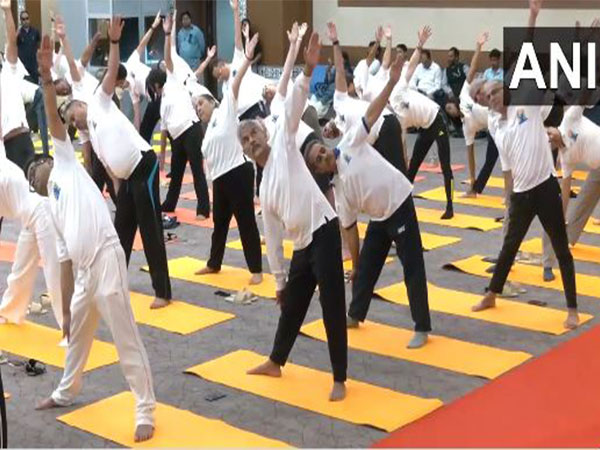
pixel 28 42
pixel 494 72
pixel 191 45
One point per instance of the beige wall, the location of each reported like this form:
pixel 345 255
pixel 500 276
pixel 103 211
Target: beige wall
pixel 451 27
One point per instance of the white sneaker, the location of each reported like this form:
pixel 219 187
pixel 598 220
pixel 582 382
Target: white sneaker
pixel 63 343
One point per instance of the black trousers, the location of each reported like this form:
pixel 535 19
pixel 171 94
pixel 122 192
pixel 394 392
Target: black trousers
pixel 545 202
pixel 150 119
pixel 183 149
pixel 138 204
pixel 101 177
pixel 438 133
pixel 402 227
pixel 389 143
pixel 20 150
pixel 233 196
pixel 491 156
pixel 319 263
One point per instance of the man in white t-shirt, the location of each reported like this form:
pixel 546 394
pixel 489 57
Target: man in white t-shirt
pixel 365 182
pixel 525 151
pixel 578 141
pixel 291 200
pixel 129 160
pixel 92 264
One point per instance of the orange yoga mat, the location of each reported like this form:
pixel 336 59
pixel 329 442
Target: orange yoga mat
pixel 436 168
pixel 7 252
pixel 550 402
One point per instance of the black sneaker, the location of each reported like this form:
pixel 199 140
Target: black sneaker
pixel 169 222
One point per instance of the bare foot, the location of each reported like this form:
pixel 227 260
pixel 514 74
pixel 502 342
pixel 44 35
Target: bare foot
pixel 206 271
pixel 268 368
pixel 572 321
pixel 143 433
pixel 338 392
pixel 489 301
pixel 262 240
pixel 159 303
pixel 596 221
pixel 47 403
pixel 469 194
pixel 256 278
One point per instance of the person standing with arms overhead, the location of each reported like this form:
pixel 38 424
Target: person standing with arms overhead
pixel 191 44
pixel 291 198
pixel 130 159
pixel 88 246
pixel 28 41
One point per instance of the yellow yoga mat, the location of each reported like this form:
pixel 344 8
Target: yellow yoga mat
pixel 532 275
pixel 580 175
pixel 288 250
pixel 498 182
pixel 590 227
pixel 113 419
pixel 581 252
pixel 31 340
pixel 506 312
pixel 308 389
pixel 230 278
pixel 178 317
pixel 464 221
pixel 443 352
pixel 483 200
pixel 430 241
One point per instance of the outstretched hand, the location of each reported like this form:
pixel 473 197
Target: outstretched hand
pixel 535 6
pixel 332 32
pixel 302 30
pixel 424 35
pixel 61 29
pixel 157 20
pixel 44 58
pixel 235 5
pixel 115 28
pixel 251 46
pixel 312 52
pixel 379 34
pixel 387 31
pixel 483 38
pixel 293 33
pixel 5 4
pixel 168 23
pixel 212 51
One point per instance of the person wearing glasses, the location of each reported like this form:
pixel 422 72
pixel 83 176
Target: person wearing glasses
pixel 28 41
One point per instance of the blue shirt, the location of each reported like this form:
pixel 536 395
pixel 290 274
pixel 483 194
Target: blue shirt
pixel 191 45
pixel 490 75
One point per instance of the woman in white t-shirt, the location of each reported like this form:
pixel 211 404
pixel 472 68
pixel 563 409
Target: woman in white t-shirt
pixel 232 175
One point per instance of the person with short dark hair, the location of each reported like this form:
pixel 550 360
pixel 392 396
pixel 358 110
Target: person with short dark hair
pixel 191 44
pixel 495 72
pixel 427 78
pixel 370 64
pixel 28 41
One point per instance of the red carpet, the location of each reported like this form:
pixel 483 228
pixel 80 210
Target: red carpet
pixel 553 401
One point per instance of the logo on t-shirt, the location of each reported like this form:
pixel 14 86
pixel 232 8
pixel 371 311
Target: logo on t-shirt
pixel 342 118
pixel 470 107
pixel 573 136
pixel 274 118
pixel 347 158
pixel 521 116
pixel 55 191
pixel 404 105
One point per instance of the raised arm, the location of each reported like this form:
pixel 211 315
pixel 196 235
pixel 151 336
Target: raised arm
pixel 481 40
pixel 249 56
pixel 168 27
pixel 65 46
pixel 377 106
pixel 144 42
pixel 237 24
pixel 301 32
pixel 114 34
pixel 373 50
pixel 423 35
pixel 290 60
pixel 534 10
pixel 44 57
pixel 12 52
pixel 88 51
pixel 387 54
pixel 210 54
pixel 338 59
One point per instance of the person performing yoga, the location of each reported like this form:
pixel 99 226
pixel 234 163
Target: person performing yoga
pixel 292 200
pixel 365 182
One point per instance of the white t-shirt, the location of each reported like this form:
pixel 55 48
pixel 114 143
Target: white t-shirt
pixel 16 200
pixel 85 87
pixel 114 138
pixel 375 84
pixel 278 109
pixel 582 140
pixel 79 212
pixel 524 146
pixel 176 110
pixel 187 76
pixel 28 90
pixel 362 72
pixel 365 181
pixel 496 127
pixel 137 72
pixel 413 108
pixel 60 66
pixel 475 116
pixel 289 195
pixel 251 89
pixel 13 108
pixel 348 110
pixel 221 147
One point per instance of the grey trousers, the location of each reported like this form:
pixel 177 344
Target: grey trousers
pixel 577 215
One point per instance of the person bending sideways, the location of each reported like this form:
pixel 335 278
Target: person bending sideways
pixel 290 198
pixel 92 267
pixel 365 182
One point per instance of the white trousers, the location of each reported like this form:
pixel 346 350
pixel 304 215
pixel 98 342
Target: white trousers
pixel 38 240
pixel 103 291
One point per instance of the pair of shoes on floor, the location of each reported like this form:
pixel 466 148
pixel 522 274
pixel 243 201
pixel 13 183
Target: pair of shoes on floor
pixel 169 222
pixel 548 274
